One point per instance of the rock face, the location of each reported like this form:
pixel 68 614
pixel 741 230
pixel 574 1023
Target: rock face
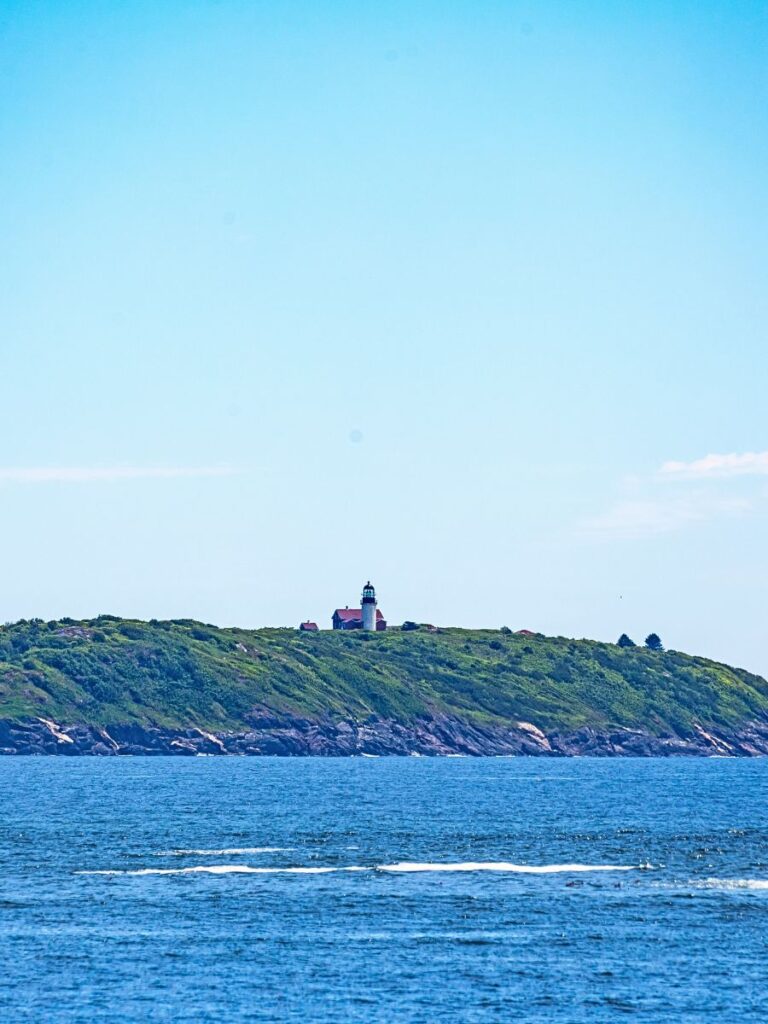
pixel 288 736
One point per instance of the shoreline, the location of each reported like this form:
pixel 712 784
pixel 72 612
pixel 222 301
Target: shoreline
pixel 439 736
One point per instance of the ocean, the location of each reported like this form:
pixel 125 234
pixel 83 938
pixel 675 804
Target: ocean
pixel 383 890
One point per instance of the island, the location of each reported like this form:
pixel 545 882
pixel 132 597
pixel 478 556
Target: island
pixel 110 686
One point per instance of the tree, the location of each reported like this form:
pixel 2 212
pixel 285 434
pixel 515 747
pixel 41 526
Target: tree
pixel 506 631
pixel 624 641
pixel 653 642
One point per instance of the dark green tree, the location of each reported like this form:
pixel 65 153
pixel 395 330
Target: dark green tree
pixel 625 641
pixel 653 642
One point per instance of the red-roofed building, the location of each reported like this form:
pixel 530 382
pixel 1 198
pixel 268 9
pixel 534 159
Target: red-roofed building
pixel 362 617
pixel 526 632
pixel 308 627
pixel 352 618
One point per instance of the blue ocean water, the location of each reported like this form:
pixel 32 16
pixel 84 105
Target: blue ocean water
pixel 223 890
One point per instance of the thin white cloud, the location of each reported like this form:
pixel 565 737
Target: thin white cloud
pixel 100 474
pixel 632 520
pixel 718 466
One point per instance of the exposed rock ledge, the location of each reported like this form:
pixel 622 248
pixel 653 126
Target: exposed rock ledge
pixel 297 737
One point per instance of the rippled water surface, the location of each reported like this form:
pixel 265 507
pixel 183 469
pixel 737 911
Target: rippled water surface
pixel 256 889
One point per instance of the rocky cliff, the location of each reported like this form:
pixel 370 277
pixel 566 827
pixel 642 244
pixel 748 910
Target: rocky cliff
pixel 300 737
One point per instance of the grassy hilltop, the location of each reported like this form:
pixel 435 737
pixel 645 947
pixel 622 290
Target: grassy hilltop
pixel 184 673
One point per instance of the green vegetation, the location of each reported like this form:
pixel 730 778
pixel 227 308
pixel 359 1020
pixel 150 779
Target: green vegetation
pixel 185 673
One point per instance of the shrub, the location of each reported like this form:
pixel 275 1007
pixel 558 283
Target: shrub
pixel 132 632
pixel 408 626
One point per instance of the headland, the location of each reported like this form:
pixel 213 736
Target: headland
pixel 110 686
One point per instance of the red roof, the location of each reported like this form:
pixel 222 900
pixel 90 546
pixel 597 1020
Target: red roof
pixel 352 614
pixel 348 614
pixel 308 625
pixel 525 632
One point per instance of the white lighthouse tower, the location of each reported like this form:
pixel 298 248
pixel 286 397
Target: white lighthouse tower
pixel 369 606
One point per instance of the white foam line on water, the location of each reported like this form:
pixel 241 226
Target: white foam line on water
pixel 736 883
pixel 224 869
pixel 402 867
pixel 502 865
pixel 231 851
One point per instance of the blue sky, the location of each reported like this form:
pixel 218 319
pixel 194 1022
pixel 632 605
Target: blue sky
pixel 456 296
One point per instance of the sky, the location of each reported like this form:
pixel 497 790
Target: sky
pixel 467 298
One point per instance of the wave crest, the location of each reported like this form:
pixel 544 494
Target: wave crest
pixel 231 851
pixel 222 869
pixel 403 867
pixel 502 865
pixel 736 883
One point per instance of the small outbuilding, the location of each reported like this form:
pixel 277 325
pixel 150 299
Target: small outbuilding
pixel 308 627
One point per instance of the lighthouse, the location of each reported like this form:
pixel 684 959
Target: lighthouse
pixel 367 616
pixel 369 606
